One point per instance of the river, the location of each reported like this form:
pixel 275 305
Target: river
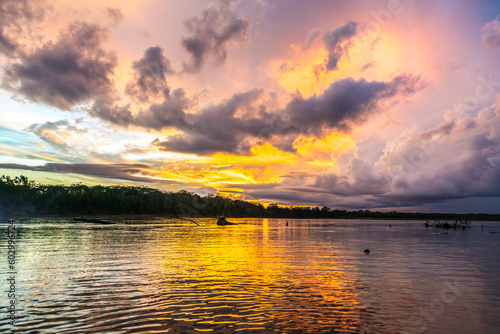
pixel 260 276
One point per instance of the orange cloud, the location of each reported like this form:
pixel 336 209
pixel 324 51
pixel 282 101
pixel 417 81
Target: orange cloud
pixel 264 164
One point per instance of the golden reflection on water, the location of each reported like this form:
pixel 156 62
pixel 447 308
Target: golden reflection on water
pixel 255 277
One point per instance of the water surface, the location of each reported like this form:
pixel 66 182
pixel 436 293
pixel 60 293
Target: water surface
pixel 260 276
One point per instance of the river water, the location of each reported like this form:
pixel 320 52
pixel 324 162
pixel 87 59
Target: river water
pixel 260 276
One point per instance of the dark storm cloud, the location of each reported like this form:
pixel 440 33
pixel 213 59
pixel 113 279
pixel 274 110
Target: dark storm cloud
pixel 222 127
pixel 115 171
pixel 210 32
pixel 107 108
pixel 346 101
pixel 166 109
pixel 197 144
pixel 229 125
pixel 337 42
pixel 149 81
pixel 72 70
pixel 168 114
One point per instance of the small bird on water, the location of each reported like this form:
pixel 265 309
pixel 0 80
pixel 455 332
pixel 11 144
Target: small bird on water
pixel 366 251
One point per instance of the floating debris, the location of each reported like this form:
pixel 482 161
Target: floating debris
pixel 93 220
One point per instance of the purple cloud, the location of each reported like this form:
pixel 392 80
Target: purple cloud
pixel 210 32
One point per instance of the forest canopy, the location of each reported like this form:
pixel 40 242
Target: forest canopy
pixel 21 196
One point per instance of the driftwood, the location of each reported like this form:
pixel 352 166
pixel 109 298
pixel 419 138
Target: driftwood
pixel 176 217
pixel 93 220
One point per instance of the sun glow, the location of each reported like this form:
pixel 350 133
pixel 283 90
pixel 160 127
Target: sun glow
pixel 306 73
pixel 264 164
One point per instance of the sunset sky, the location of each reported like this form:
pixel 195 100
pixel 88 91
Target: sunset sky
pixel 380 105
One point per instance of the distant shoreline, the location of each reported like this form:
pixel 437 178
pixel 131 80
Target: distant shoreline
pixel 20 197
pixel 483 217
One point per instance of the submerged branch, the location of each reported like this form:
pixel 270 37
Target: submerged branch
pixel 461 224
pixel 176 217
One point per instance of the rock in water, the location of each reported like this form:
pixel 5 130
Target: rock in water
pixel 366 251
pixel 222 222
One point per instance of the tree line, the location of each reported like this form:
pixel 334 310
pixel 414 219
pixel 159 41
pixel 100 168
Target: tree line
pixel 21 196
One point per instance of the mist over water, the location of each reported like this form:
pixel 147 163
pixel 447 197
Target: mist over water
pixel 258 276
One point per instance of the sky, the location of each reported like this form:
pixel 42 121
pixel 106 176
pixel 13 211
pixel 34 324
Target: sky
pixel 379 105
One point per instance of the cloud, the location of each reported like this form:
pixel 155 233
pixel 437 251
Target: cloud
pixel 367 66
pixel 453 160
pixel 73 70
pixel 311 37
pixel 210 32
pixel 55 133
pixel 143 33
pixel 197 144
pixel 337 42
pixel 76 69
pixel 234 124
pixel 164 109
pixel 149 81
pixel 370 149
pixel 114 171
pixel 222 127
pixel 115 14
pixel 491 33
pixel 347 101
pixel 170 113
pixel 15 18
pixel 108 108
pixel 362 178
